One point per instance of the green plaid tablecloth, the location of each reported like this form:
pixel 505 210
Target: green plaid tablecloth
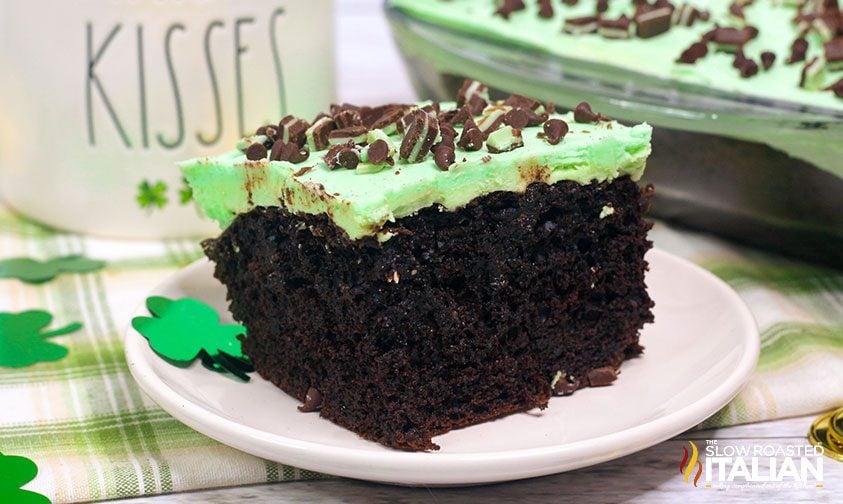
pixel 95 435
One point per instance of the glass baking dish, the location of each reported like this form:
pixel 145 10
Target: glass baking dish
pixel 763 172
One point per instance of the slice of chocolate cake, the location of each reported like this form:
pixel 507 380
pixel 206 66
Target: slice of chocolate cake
pixel 410 269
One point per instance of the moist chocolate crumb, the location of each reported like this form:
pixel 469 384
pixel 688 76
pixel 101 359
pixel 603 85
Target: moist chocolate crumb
pixel 256 152
pixel 312 401
pixel 302 171
pixel 601 377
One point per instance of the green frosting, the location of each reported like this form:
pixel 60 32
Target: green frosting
pixel 655 56
pixel 361 201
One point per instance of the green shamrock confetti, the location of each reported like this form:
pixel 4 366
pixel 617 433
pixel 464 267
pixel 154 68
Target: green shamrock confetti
pixel 35 272
pixel 185 193
pixel 184 329
pixel 16 472
pixel 22 342
pixel 152 195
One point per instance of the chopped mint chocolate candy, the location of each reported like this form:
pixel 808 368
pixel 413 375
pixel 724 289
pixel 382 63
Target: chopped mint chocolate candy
pixel 555 130
pixel 813 74
pixel 798 50
pixel 518 101
pixel 317 134
pixel 827 24
pixel 474 94
pixel 584 114
pixel 732 39
pixel 348 118
pixel 517 118
pixel 456 116
pixel 834 54
pixel 504 139
pixel 288 152
pixel 256 152
pixel 292 129
pixel 685 15
pixel 545 9
pixel 471 139
pixel 389 120
pixel 580 25
pixel 507 7
pixel 690 55
pixel 767 59
pixel 614 28
pixel 492 118
pixel 652 20
pixel 444 156
pixel 357 134
pixel 419 138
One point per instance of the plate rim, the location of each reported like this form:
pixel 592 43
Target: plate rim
pixel 400 467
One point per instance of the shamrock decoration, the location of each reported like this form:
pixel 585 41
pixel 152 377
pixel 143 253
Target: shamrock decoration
pixel 184 329
pixel 35 272
pixel 185 193
pixel 22 342
pixel 152 195
pixel 16 472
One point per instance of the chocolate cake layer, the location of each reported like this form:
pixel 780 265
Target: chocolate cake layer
pixel 460 317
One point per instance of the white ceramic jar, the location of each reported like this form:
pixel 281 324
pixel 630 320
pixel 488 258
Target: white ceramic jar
pixel 99 96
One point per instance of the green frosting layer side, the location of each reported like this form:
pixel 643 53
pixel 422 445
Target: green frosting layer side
pixel 655 56
pixel 361 203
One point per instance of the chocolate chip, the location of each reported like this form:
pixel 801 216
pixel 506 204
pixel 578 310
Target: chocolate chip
pixel 602 376
pixel 748 68
pixel 508 7
pixel 256 152
pixel 545 9
pixel 690 55
pixel 555 130
pixel 767 59
pixel 602 5
pixel 444 156
pixel 584 114
pixel 798 50
pixel 348 158
pixel 288 152
pixel 471 139
pixel 517 118
pixel 312 401
pixel 474 94
pixel 550 107
pixel 419 137
pixel 456 116
pixel 300 155
pixel 378 152
pixel 736 9
pixel 518 101
pixel 447 132
pixel 566 385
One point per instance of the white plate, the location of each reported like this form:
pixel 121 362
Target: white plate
pixel 699 352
